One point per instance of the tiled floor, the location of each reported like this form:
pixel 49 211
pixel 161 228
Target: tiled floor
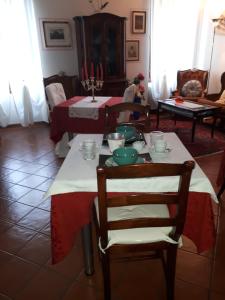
pixel 28 165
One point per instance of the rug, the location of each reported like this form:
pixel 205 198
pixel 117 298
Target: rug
pixel 203 143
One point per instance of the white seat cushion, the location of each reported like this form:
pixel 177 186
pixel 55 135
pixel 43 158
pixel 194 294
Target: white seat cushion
pixel 55 94
pixel 137 235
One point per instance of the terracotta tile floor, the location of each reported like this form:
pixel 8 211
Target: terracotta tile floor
pixel 28 165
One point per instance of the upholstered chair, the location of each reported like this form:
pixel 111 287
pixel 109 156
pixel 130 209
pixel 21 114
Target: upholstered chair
pixel 191 84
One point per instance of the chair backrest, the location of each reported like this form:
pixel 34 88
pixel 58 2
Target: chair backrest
pixel 112 112
pixel 178 198
pixel 191 79
pixel 55 94
pixel 71 84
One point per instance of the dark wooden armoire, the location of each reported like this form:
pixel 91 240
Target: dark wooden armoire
pixel 101 41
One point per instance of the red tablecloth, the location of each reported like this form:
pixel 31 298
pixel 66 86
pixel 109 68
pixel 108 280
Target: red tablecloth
pixel 69 212
pixel 61 122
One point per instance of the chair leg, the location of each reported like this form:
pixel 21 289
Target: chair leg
pixel 106 276
pixel 171 271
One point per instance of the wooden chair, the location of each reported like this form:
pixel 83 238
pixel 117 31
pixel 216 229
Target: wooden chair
pixel 71 84
pixel 114 111
pixel 191 84
pixel 159 241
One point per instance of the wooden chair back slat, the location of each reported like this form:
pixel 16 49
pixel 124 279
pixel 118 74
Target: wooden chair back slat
pixel 141 223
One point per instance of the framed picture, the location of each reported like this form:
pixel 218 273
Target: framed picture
pixel 132 50
pixel 138 21
pixel 56 34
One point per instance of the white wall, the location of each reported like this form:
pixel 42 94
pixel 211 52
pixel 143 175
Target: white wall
pixel 54 61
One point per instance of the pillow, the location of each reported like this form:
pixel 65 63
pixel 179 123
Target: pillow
pixel 222 98
pixel 192 88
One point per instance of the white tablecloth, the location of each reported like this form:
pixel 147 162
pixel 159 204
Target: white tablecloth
pixel 79 175
pixel 87 109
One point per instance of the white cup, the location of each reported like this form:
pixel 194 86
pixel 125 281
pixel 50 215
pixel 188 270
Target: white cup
pixel 138 145
pixel 155 136
pixel 160 146
pixel 115 140
pixel 88 149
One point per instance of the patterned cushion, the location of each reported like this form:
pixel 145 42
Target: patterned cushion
pixel 192 88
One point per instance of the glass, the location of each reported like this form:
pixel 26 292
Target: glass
pixel 88 149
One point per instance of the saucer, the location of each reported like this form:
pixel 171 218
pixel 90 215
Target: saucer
pixel 111 163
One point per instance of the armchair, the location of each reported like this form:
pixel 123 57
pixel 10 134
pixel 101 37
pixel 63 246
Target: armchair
pixel 191 84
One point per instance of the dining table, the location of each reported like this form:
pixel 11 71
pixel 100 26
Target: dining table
pixel 75 187
pixel 80 114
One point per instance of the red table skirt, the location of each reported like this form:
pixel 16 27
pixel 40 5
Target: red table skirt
pixel 61 122
pixel 71 211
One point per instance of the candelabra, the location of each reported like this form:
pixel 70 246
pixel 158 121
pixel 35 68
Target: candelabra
pixel 92 84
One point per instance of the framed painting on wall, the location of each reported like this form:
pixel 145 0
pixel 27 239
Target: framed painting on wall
pixel 56 34
pixel 138 21
pixel 132 50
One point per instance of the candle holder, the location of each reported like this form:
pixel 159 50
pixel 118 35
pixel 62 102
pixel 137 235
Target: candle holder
pixel 92 84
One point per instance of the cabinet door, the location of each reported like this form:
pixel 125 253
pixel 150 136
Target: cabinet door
pixel 101 40
pixel 94 38
pixel 114 47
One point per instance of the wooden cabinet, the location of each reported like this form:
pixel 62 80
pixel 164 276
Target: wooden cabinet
pixel 101 40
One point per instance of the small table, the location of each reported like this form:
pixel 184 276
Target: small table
pixel 190 110
pixel 61 121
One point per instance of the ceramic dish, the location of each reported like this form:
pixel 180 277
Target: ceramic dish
pixel 111 163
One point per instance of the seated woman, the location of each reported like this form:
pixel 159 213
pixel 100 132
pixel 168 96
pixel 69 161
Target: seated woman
pixel 133 93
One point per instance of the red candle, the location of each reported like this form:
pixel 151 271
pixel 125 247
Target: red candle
pixel 97 72
pixel 85 71
pixel 92 70
pixel 101 71
pixel 82 73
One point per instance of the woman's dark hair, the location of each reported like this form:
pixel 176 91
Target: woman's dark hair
pixel 136 80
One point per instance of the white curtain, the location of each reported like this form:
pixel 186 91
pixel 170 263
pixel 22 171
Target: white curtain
pixel 22 97
pixel 181 38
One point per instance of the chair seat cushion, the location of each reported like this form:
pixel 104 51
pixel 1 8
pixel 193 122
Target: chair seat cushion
pixel 192 88
pixel 137 235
